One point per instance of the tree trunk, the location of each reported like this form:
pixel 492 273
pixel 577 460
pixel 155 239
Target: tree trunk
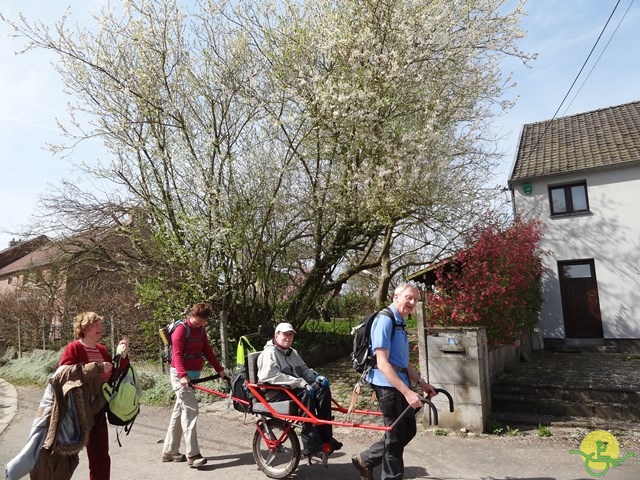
pixel 224 338
pixel 385 271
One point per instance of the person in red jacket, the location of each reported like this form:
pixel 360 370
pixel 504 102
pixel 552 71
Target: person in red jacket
pixel 88 329
pixel 188 350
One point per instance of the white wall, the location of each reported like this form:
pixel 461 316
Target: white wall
pixel 610 234
pixel 6 287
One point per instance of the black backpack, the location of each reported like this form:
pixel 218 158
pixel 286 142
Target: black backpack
pixel 239 389
pixel 362 360
pixel 241 373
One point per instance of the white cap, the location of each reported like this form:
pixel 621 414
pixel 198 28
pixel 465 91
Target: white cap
pixel 284 328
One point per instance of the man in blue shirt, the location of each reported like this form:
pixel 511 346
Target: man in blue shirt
pixel 391 380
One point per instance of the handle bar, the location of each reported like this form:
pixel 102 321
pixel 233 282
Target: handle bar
pixel 195 381
pixel 448 395
pixel 426 401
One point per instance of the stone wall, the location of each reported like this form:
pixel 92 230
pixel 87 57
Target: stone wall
pixel 506 357
pixel 458 363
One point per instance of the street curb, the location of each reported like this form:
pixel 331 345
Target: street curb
pixel 8 403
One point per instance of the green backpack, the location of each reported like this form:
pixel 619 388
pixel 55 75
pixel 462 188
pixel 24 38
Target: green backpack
pixel 123 399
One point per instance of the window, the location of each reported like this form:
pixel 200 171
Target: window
pixel 577 271
pixel 567 199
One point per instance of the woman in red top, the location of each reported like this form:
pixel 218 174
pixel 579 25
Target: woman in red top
pixel 88 330
pixel 188 350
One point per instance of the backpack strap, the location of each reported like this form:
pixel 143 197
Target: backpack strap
pixel 389 313
pixel 396 326
pixel 187 339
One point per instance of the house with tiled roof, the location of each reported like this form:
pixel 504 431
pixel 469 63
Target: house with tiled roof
pixel 21 255
pixel 43 282
pixel 580 175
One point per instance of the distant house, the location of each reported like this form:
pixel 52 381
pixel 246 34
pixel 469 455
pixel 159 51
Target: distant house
pixel 20 257
pixel 580 175
pixel 28 271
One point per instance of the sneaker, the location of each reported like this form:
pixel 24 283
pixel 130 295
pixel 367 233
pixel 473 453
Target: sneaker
pixel 366 473
pixel 174 457
pixel 196 461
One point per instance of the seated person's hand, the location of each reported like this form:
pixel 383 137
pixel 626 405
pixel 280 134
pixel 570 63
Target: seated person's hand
pixel 322 381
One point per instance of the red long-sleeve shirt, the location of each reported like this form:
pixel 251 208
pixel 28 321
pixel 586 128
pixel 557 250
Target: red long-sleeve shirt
pixel 75 353
pixel 188 352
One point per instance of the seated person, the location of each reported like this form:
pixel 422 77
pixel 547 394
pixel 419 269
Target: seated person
pixel 279 364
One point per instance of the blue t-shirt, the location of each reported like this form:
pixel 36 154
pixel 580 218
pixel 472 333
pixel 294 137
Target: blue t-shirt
pixel 398 346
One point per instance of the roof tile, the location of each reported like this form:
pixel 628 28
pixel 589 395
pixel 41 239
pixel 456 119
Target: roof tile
pixel 600 138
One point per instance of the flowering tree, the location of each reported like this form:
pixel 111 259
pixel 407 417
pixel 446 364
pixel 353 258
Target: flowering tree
pixel 494 282
pixel 262 139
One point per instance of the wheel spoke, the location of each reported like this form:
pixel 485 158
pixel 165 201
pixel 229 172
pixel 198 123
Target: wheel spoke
pixel 278 456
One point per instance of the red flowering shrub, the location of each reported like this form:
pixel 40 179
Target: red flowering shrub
pixel 494 282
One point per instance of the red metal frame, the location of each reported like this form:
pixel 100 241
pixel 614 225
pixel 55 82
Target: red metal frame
pixel 273 444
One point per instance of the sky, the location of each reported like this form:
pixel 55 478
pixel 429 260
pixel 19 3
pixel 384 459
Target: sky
pixel 561 32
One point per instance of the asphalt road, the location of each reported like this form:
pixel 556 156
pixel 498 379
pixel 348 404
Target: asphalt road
pixel 225 439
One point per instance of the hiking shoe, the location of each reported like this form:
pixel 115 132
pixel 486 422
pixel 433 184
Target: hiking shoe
pixel 366 473
pixel 174 457
pixel 335 444
pixel 196 461
pixel 309 452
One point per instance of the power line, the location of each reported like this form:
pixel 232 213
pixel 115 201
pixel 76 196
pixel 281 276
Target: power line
pixel 599 56
pixel 587 59
pixel 544 132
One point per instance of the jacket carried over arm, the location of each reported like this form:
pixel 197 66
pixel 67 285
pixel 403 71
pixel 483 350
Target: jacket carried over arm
pixel 62 424
pixel 284 367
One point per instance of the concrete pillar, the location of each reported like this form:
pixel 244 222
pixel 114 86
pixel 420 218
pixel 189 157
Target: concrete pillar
pixel 458 362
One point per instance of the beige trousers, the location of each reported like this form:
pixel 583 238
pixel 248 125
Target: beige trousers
pixel 182 423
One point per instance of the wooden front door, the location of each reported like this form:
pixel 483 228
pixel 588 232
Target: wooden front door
pixel 580 302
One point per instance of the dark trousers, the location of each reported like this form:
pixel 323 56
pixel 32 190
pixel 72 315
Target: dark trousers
pixel 98 449
pixel 318 403
pixel 389 450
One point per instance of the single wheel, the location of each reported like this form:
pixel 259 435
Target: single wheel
pixel 276 448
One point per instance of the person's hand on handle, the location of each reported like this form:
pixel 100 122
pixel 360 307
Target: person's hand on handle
pixel 413 399
pixel 427 388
